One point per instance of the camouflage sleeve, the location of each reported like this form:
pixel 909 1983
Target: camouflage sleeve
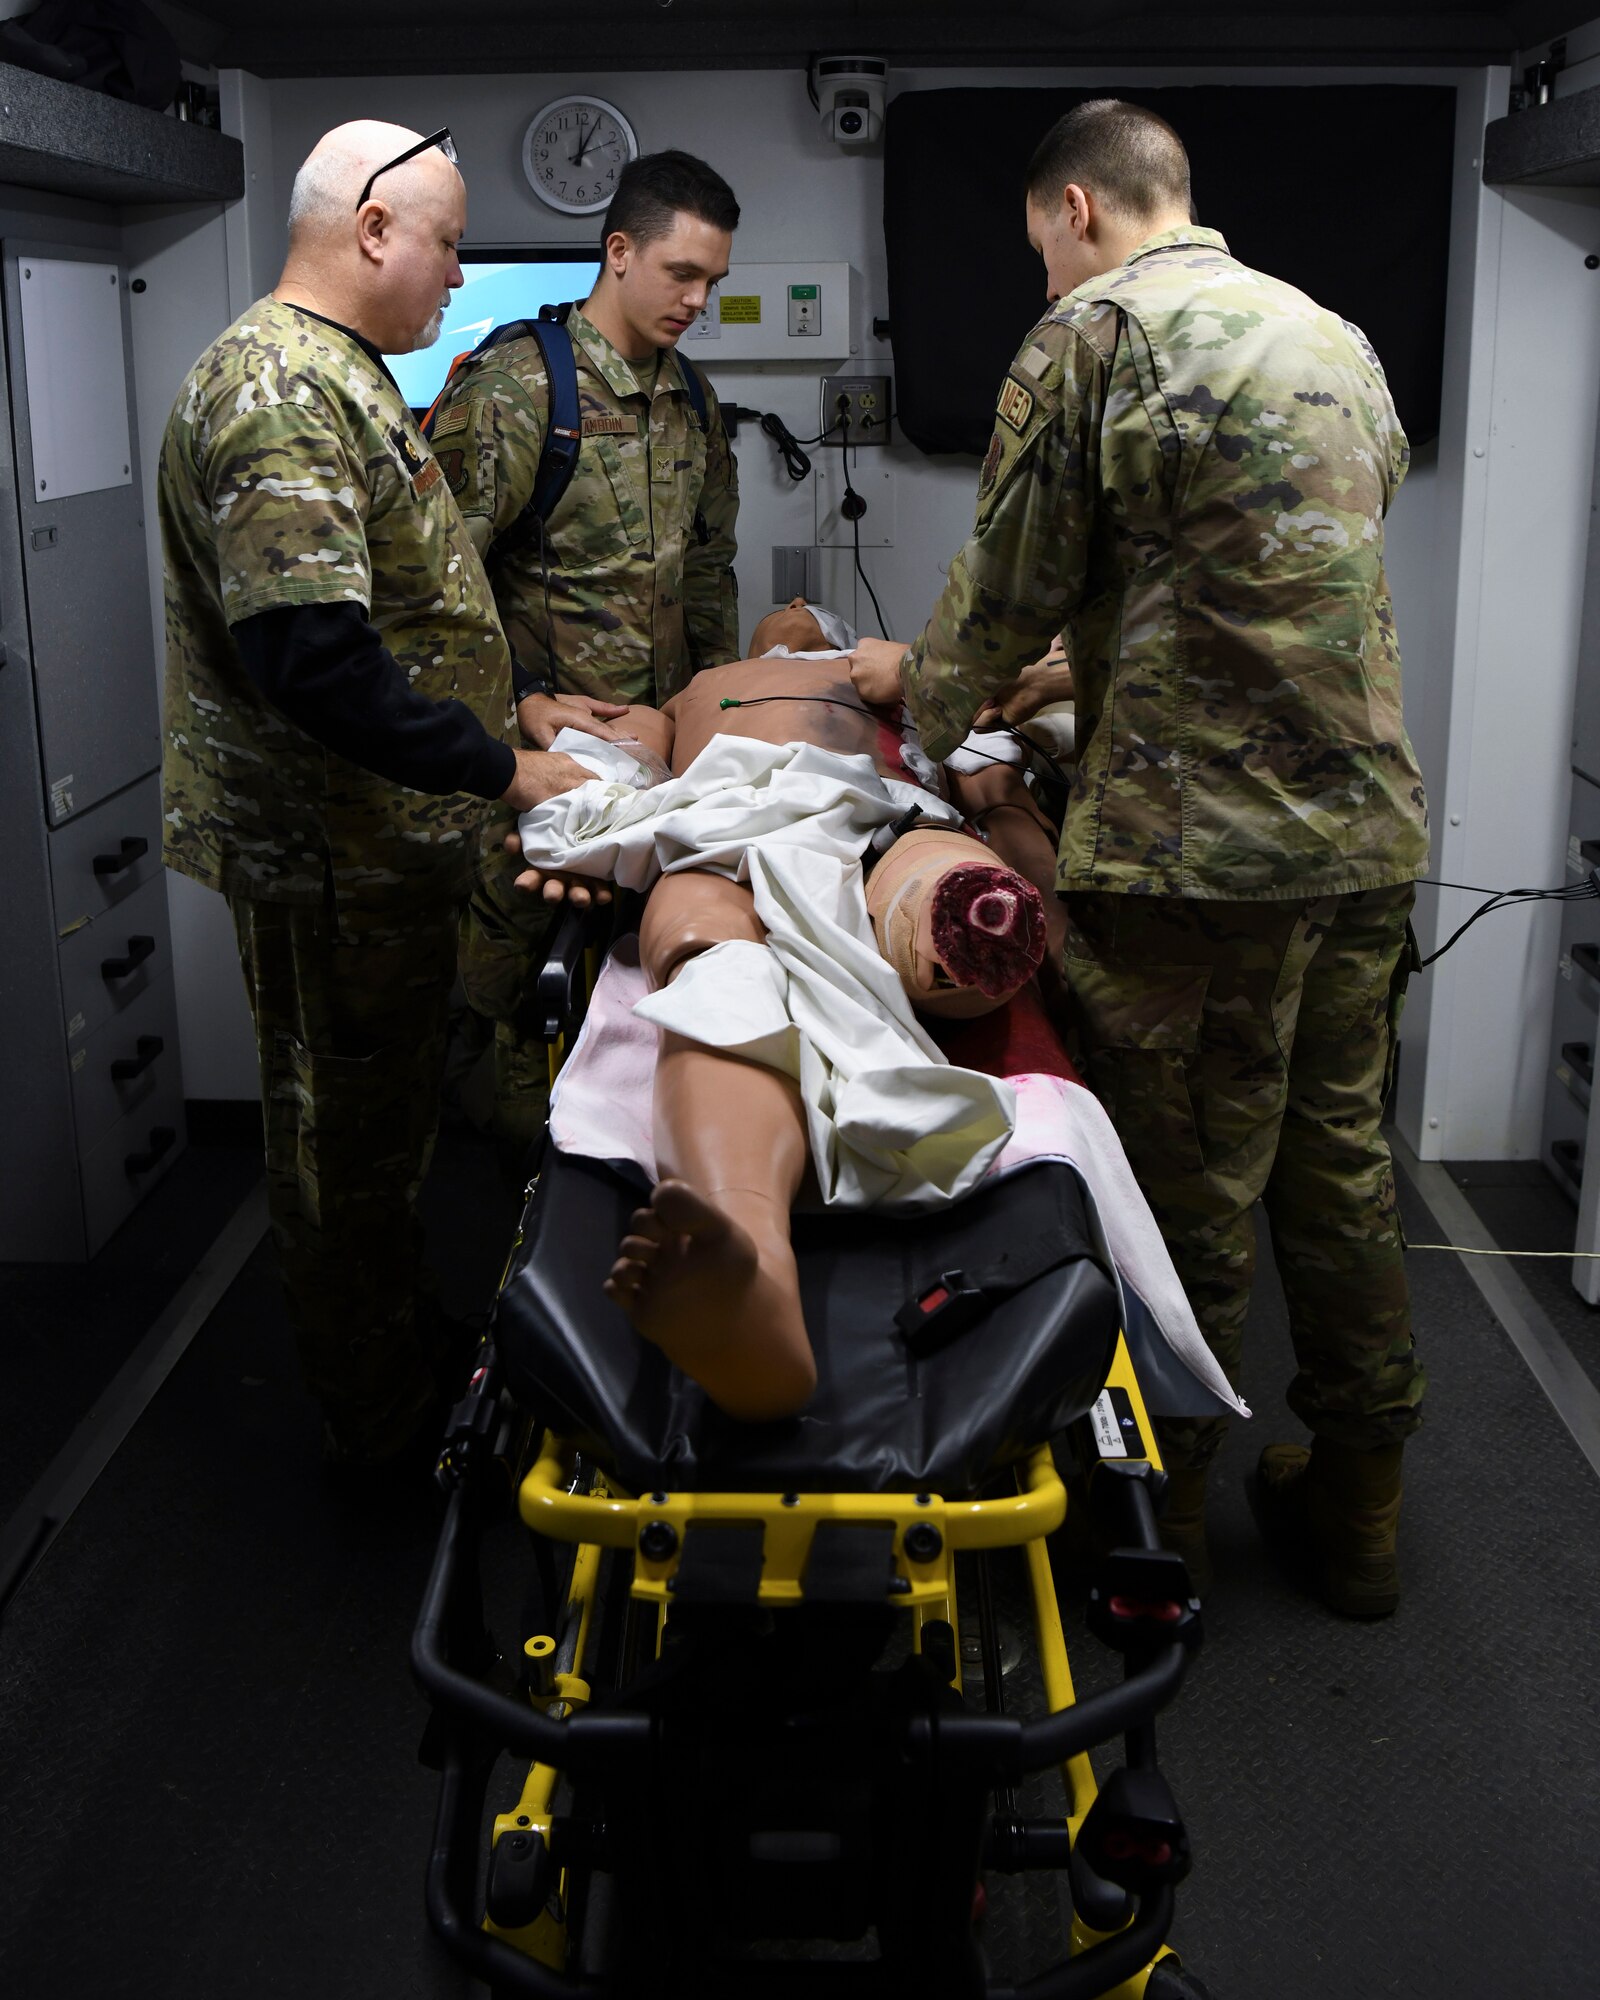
pixel 289 499
pixel 487 437
pixel 710 590
pixel 1020 575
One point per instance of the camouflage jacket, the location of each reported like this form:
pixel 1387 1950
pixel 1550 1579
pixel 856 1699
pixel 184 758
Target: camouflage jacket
pixel 292 473
pixel 1188 476
pixel 641 544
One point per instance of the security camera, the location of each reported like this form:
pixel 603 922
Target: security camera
pixel 849 94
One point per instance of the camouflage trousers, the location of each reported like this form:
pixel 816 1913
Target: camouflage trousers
pixel 504 935
pixel 1244 1052
pixel 350 1014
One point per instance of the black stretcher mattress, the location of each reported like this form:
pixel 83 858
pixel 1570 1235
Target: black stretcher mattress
pixel 884 1418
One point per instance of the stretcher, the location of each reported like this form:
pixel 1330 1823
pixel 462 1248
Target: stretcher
pixel 773 1743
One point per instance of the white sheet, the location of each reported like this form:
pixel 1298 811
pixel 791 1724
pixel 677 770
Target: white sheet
pixel 601 1109
pixel 891 1123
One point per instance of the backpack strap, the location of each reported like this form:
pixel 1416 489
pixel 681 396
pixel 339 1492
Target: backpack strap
pixel 695 389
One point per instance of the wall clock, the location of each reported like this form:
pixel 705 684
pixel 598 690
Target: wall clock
pixel 574 150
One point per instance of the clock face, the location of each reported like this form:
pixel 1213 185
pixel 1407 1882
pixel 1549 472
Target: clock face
pixel 573 152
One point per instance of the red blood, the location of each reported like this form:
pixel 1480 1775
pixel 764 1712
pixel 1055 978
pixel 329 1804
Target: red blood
pixel 988 928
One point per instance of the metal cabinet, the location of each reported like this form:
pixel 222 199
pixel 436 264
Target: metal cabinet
pixel 90 1083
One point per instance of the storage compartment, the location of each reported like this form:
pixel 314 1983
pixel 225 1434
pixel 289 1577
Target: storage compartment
pixel 104 856
pixel 108 965
pixel 117 1072
pixel 120 1171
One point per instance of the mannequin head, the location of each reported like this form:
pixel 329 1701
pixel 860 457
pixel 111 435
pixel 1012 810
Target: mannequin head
pixel 791 625
pixel 963 933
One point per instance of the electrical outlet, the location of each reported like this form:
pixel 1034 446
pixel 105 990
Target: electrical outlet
pixel 862 402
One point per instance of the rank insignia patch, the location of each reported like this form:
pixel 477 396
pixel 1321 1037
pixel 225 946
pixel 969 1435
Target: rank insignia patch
pixel 1016 403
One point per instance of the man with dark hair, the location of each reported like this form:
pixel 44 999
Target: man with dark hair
pixel 628 588
pixel 1189 473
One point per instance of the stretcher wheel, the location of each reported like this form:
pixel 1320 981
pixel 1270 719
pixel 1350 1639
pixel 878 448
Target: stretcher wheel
pixel 1169 1981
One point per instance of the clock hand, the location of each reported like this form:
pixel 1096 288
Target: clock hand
pixel 577 158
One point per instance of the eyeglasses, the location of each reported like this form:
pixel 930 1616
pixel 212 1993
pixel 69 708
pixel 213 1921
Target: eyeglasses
pixel 441 139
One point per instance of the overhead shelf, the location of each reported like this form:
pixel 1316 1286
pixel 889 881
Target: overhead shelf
pixel 62 139
pixel 1551 145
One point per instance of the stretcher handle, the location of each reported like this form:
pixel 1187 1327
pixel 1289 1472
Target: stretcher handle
pixel 1104 1967
pixel 500 1966
pixel 1002 1750
pixel 586 1743
pixel 559 981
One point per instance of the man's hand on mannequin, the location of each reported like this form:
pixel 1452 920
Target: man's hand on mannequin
pixel 1047 681
pixel 875 672
pixel 542 717
pixel 541 775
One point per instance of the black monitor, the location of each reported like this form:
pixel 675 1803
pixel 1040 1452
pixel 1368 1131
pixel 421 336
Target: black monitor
pixel 500 285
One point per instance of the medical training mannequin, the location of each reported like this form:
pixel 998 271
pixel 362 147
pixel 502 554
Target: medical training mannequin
pixel 707 1271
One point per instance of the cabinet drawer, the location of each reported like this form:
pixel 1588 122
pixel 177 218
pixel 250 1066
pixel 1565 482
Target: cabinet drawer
pixel 121 1170
pixel 107 965
pixel 104 857
pixel 118 1070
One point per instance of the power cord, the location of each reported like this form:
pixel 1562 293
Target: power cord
pixel 1500 899
pixel 852 507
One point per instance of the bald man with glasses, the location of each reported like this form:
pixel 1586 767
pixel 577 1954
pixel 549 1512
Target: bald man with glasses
pixel 338 722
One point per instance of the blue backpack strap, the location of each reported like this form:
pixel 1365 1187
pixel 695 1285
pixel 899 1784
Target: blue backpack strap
pixel 563 430
pixel 696 391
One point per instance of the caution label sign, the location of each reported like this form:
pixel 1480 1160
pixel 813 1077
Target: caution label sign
pixel 743 309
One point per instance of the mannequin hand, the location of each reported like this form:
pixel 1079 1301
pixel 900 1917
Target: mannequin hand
pixel 546 883
pixel 875 672
pixel 542 717
pixel 541 775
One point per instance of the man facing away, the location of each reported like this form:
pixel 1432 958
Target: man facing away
pixel 338 716
pixel 1189 472
pixel 628 588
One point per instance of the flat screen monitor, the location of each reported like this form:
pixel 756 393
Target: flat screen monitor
pixel 500 285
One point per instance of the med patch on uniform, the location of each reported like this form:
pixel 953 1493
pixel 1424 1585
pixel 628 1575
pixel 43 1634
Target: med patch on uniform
pixel 1016 404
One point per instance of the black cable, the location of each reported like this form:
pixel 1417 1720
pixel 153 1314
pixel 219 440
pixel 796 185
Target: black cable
pixel 853 515
pixel 1505 899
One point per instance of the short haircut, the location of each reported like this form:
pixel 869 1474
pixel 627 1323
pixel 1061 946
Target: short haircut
pixel 1127 156
pixel 654 188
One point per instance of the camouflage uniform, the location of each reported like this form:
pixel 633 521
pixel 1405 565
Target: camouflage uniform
pixel 292 473
pixel 641 596
pixel 1188 476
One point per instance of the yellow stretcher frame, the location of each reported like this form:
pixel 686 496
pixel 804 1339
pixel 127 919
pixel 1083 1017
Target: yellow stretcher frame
pixel 607 1517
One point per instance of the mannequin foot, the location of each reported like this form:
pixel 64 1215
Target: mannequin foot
pixel 721 1305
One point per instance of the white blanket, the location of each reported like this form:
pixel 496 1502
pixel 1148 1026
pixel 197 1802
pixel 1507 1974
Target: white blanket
pixel 601 1110
pixel 891 1123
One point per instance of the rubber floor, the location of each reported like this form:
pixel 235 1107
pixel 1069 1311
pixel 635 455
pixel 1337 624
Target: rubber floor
pixel 209 1747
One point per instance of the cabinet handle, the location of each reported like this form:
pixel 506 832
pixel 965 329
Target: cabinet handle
pixel 149 1047
pixel 133 849
pixel 162 1140
pixel 139 949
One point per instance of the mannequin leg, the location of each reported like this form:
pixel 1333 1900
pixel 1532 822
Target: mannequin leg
pixel 1018 833
pixel 707 1272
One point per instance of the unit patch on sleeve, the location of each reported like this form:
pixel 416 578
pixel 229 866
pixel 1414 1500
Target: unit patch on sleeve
pixel 1016 404
pixel 452 463
pixel 991 463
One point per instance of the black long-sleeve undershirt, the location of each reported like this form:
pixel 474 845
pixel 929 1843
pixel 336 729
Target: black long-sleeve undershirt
pixel 324 667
